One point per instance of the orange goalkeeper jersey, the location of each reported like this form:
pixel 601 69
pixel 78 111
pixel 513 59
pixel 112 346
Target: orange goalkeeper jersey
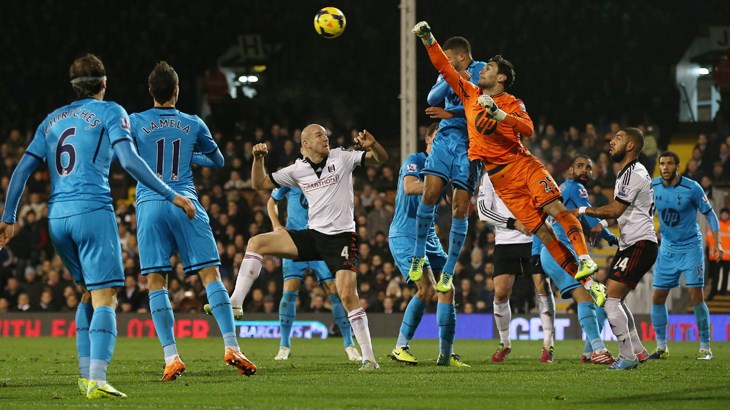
pixel 495 143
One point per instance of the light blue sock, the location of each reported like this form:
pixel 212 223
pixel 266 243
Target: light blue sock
pixel 659 315
pixel 220 304
pixel 84 313
pixel 287 315
pixel 164 321
pixel 411 319
pixel 338 311
pixel 446 319
pixel 424 222
pixel 601 320
pixel 103 335
pixel 702 316
pixel 456 242
pixel 587 319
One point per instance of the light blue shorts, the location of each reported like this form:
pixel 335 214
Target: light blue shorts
pixel 402 247
pixel 89 247
pixel 449 160
pixel 671 264
pixel 295 270
pixel 163 229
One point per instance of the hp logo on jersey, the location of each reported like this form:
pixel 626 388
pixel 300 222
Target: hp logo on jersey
pixel 670 217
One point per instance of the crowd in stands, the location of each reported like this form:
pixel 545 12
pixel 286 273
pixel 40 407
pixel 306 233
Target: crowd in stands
pixel 32 277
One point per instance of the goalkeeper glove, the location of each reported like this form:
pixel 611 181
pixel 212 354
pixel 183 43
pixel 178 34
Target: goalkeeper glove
pixel 493 111
pixel 423 31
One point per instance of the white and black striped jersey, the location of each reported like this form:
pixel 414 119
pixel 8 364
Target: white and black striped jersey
pixel 633 188
pixel 493 211
pixel 327 187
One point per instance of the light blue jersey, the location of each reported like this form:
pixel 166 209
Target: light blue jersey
pixel 404 216
pixel 677 207
pixel 77 141
pixel 297 207
pixel 165 139
pixel 402 233
pixel 575 195
pixel 441 93
pixel 449 158
pixel 681 247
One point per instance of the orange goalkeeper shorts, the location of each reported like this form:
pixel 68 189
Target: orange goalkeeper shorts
pixel 525 187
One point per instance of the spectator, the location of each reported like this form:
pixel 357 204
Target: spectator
pixel 23 304
pixel 131 298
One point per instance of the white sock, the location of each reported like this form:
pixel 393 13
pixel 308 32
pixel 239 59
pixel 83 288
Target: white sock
pixel 584 257
pixel 170 359
pixel 620 327
pixel 547 317
pixel 633 333
pixel 588 283
pixel 247 275
pixel 359 322
pixel 502 317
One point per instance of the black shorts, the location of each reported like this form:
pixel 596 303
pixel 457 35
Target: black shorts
pixel 513 259
pixel 629 265
pixel 339 251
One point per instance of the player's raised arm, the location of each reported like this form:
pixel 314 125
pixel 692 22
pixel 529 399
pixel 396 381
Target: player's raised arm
pixel 259 178
pixel 460 86
pixel 374 152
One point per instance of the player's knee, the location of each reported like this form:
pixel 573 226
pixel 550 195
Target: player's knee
pixel 431 195
pixel 255 244
pixel 659 298
pixel 426 292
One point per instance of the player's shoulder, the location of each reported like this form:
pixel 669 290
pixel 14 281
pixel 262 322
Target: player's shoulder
pixel 690 184
pixel 110 107
pixel 655 182
pixel 189 117
pixel 413 162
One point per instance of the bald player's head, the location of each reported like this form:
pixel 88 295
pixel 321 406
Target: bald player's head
pixel 315 141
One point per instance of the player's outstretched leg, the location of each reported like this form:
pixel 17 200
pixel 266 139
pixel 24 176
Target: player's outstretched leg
pixel 84 313
pixel 659 316
pixel 346 282
pixel 587 318
pixel 641 353
pixel 338 311
pixel 247 275
pixel 620 326
pixel 588 348
pixel 702 317
pixel 103 336
pixel 574 230
pixel 459 226
pixel 546 304
pixel 424 222
pixel 411 319
pixel 287 315
pixel 502 317
pixel 446 319
pixel 164 322
pixel 220 305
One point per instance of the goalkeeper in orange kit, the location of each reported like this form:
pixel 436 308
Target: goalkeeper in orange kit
pixel 495 122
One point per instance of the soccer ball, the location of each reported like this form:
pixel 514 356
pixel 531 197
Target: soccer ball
pixel 329 22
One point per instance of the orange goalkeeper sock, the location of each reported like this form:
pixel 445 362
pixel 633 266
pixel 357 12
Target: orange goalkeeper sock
pixel 572 227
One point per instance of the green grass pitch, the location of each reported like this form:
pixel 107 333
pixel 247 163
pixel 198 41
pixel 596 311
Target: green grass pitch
pixel 41 373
